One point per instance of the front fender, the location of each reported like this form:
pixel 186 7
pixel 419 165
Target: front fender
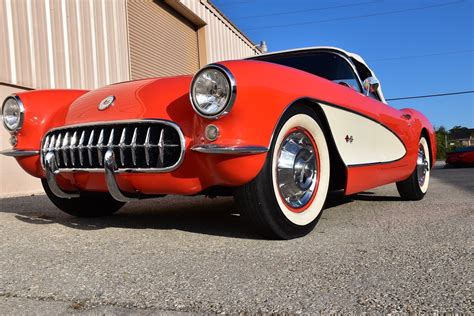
pixel 424 126
pixel 44 109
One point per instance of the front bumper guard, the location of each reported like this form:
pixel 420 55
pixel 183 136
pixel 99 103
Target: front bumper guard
pixel 51 171
pixel 114 190
pixel 110 166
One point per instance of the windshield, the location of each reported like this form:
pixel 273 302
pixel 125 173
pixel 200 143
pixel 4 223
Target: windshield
pixel 327 65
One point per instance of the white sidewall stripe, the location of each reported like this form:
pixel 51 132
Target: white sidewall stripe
pixel 424 187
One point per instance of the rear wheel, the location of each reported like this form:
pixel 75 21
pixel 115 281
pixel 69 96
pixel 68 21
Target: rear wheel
pixel 285 200
pixel 415 187
pixel 89 204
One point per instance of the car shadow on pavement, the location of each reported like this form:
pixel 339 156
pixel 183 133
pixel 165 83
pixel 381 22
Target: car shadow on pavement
pixel 198 215
pixel 370 196
pixel 338 198
pixel 201 215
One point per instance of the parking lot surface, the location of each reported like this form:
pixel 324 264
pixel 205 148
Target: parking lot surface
pixel 369 252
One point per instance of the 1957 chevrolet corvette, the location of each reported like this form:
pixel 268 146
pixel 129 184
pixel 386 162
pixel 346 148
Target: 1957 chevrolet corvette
pixel 277 131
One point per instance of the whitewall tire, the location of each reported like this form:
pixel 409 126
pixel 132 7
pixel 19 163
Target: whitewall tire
pixel 286 199
pixel 302 123
pixel 415 187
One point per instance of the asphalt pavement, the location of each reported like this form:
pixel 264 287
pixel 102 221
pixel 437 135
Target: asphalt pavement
pixel 369 253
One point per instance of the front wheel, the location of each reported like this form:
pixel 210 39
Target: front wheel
pixel 286 198
pixel 415 187
pixel 89 204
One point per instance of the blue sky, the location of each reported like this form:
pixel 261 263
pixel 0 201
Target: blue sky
pixel 414 47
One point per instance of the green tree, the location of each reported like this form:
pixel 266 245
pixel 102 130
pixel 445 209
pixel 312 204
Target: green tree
pixel 441 136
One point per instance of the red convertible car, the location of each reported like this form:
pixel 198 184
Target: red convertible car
pixel 277 131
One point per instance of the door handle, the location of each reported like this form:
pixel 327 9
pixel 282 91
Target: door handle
pixel 406 116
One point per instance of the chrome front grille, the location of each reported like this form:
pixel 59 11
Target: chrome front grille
pixel 146 145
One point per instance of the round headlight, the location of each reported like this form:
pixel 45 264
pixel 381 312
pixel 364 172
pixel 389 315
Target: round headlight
pixel 12 112
pixel 213 91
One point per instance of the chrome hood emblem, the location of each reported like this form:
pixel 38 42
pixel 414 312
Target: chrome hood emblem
pixel 106 103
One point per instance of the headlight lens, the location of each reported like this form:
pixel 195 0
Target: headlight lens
pixel 12 112
pixel 213 91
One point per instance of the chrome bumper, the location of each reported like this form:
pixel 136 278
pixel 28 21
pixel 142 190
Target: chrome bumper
pixel 110 166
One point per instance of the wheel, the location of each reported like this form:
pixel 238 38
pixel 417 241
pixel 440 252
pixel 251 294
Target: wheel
pixel 415 187
pixel 89 204
pixel 286 198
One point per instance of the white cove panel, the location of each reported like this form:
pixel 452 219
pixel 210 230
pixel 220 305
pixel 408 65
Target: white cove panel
pixel 371 141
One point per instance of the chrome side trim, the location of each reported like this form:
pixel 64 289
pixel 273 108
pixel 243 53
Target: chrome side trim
pixel 51 170
pixel 110 165
pixel 230 149
pixel 19 152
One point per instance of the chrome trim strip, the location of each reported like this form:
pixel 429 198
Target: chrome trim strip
pixel 230 149
pixel 51 171
pixel 19 153
pixel 22 114
pixel 124 170
pixel 110 165
pixel 233 92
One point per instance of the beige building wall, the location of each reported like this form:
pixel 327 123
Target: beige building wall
pixel 169 47
pixel 63 43
pixel 223 40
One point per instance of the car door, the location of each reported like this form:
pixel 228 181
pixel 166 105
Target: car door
pixel 393 145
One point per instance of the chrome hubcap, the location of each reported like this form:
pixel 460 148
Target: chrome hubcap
pixel 297 169
pixel 422 166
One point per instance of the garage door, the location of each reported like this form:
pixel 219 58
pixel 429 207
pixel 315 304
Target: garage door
pixel 162 42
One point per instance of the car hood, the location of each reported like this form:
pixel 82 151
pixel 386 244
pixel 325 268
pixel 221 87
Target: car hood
pixel 139 99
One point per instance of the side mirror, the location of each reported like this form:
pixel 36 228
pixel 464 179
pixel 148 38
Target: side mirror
pixel 371 85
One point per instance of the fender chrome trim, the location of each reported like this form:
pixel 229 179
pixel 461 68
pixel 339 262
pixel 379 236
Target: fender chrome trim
pixel 51 170
pixel 229 149
pixel 19 152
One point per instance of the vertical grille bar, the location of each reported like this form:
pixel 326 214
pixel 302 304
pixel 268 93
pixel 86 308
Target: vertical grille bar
pixel 89 148
pixel 64 148
pixel 46 143
pixel 133 144
pixel 52 143
pixel 122 146
pixel 110 144
pixel 161 148
pixel 147 146
pixel 81 148
pixel 72 147
pixel 56 149
pixel 100 145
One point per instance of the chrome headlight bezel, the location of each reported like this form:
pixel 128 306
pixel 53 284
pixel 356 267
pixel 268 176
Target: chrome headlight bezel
pixel 232 93
pixel 21 117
